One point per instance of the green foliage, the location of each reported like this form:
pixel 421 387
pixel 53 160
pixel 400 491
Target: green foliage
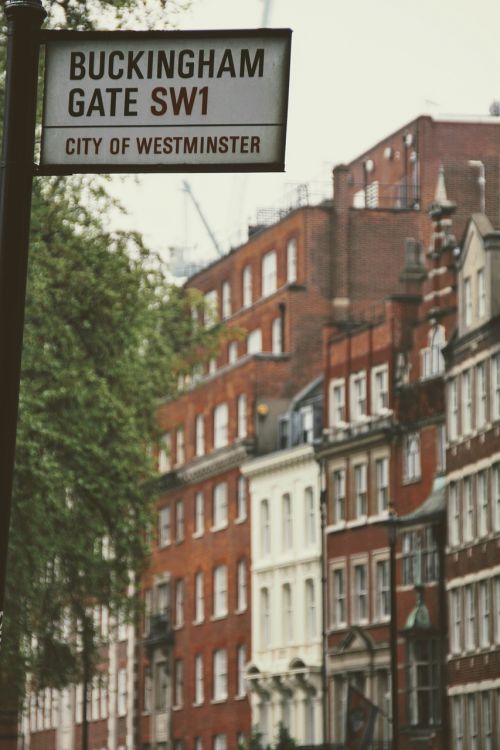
pixel 105 338
pixel 284 740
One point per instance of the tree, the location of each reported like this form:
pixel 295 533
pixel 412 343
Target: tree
pixel 284 740
pixel 105 337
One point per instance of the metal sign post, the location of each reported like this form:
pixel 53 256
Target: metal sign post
pixel 24 18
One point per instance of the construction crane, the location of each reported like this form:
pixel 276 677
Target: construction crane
pixel 187 189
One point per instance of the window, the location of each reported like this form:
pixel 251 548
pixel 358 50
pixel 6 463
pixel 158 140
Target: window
pixel 164 454
pixel 486 720
pixel 339 495
pixel 178 682
pixel 484 614
pixel 200 435
pixel 148 609
pixel 164 527
pixel 241 499
pixel 495 476
pixel 310 516
pixel 470 618
pixel 269 273
pixel 220 675
pixel 179 446
pixel 360 495
pixel 198 679
pixel 221 425
pixel 220 591
pixel 467 303
pixel 291 260
pixel 337 403
pixel 242 415
pixel 482 503
pixel 423 678
pixel 220 505
pixel 226 299
pixel 122 692
pixel 454 514
pixel 241 592
pixel 287 613
pixel 265 618
pixel 412 457
pixel 306 415
pixel 468 510
pixel 496 605
pixel 179 521
pixel 456 621
pixel 437 342
pixel 247 286
pixel 360 603
pixel 199 597
pixel 380 389
pixel 265 528
pixel 148 691
pixel 382 483
pixel 453 409
pixel 481 294
pixel 220 742
pixel 199 513
pixel 458 723
pixel 472 724
pixel 254 341
pixel 358 396
pixel 495 386
pixel 212 365
pixel 232 352
pixel 420 557
pixel 382 583
pixel 310 609
pixel 466 402
pixel 241 658
pixel 441 448
pixel 163 598
pixel 339 598
pixel 211 314
pixel 277 336
pixel 481 395
pixel 179 603
pixel 287 522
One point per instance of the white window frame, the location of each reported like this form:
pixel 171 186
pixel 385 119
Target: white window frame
pixel 247 286
pixel 380 389
pixel 468 532
pixel 199 597
pixel 472 722
pixel 382 483
pixel 481 293
pixel 165 453
pixel 254 341
pixel 277 336
pixel 232 352
pixel 265 528
pixel 495 494
pixel 360 478
pixel 484 597
pixel 495 386
pixel 311 609
pixel 360 594
pixel 337 402
pixel 467 402
pixel 121 698
pixel 199 688
pixel 481 395
pixel 226 300
pixel 179 521
pixel 220 675
pixel 455 620
pixel 483 506
pixel 220 495
pixel 357 389
pixel 412 460
pixel 179 446
pixel 199 514
pixel 291 260
pixel 470 617
pixel 382 589
pixel 179 602
pixel 164 527
pixel 309 516
pixel 221 425
pixel 200 435
pixel 241 583
pixel 220 597
pixel 241 660
pixel 241 499
pixel 269 273
pixel 287 522
pixel 339 596
pixel 458 722
pixel 241 408
pixel 211 309
pixel 287 613
pixel 452 392
pixel 339 495
pixel 467 302
pixel 265 618
pixel 178 683
pixel 455 515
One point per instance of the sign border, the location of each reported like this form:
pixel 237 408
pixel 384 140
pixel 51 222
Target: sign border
pixel 50 35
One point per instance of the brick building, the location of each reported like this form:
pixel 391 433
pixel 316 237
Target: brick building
pixel 276 290
pixel 473 493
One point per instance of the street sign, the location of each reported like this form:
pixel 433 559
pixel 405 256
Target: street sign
pixel 165 101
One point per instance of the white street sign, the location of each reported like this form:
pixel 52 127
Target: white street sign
pixel 165 101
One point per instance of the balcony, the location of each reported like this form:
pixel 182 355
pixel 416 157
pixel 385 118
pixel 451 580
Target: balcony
pixel 345 431
pixel 160 634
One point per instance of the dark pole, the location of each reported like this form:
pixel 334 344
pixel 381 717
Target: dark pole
pixel 394 638
pixel 24 18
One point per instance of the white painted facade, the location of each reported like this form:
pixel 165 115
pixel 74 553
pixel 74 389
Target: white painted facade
pixel 284 674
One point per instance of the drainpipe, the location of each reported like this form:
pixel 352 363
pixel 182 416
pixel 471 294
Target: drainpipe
pixel 324 644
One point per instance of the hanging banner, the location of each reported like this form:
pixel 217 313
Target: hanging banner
pixel 165 101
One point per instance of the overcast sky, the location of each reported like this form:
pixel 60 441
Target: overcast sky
pixel 360 69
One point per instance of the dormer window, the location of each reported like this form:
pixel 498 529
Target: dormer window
pixel 358 396
pixel 337 402
pixel 380 389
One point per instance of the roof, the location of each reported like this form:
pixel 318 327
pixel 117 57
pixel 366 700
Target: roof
pixel 431 509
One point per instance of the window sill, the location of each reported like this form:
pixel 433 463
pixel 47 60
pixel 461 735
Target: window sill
pixel 216 701
pixel 197 534
pixel 177 708
pixel 240 697
pixel 215 618
pixel 220 527
pixel 240 519
pixel 240 611
pixel 198 622
pixel 198 704
pixel 411 480
pixel 164 545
